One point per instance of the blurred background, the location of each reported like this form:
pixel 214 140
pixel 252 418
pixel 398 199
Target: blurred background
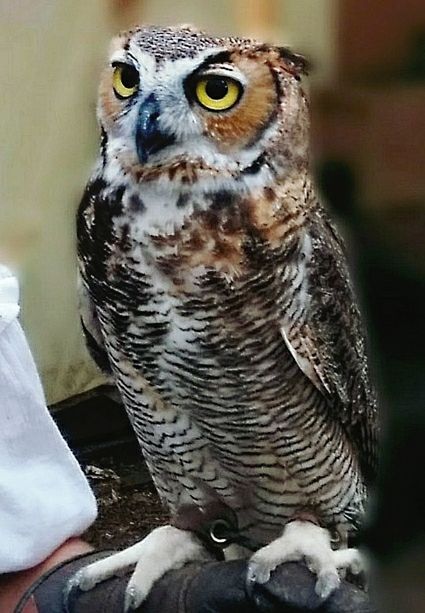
pixel 368 141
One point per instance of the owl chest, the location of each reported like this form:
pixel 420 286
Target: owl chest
pixel 214 351
pixel 215 396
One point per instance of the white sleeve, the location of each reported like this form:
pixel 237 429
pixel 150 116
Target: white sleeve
pixel 9 297
pixel 44 496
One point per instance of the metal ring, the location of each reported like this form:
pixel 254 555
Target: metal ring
pixel 220 525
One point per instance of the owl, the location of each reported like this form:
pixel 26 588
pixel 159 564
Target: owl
pixel 214 290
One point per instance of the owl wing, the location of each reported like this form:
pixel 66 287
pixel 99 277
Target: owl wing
pixel 322 329
pixel 91 329
pixel 88 315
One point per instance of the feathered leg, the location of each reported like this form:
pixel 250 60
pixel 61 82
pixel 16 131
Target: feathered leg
pixel 303 540
pixel 164 549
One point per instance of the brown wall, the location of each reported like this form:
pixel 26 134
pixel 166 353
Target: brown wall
pixel 376 33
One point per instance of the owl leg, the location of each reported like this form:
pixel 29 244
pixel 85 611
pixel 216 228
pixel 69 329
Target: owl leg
pixel 302 540
pixel 165 548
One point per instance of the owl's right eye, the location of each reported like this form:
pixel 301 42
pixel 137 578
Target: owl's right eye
pixel 125 80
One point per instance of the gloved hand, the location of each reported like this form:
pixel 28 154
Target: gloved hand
pixel 216 587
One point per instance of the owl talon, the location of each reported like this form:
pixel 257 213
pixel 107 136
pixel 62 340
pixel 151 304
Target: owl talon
pixel 85 579
pixel 257 573
pixel 304 541
pixel 165 548
pixel 327 582
pixel 133 599
pixel 77 581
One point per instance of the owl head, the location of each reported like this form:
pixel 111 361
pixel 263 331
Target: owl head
pixel 180 106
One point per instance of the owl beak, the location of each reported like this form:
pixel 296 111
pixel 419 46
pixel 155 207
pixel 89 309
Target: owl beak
pixel 149 138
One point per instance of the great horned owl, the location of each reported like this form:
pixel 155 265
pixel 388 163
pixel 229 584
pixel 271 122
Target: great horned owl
pixel 215 290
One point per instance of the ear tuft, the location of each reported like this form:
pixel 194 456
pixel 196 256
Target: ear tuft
pixel 294 62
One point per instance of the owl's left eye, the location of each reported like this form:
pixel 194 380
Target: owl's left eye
pixel 125 80
pixel 217 93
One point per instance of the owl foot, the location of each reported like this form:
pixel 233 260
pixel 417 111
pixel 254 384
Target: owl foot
pixel 165 548
pixel 303 540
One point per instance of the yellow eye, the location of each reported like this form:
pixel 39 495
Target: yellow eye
pixel 125 80
pixel 217 93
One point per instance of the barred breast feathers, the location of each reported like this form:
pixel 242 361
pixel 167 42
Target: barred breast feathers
pixel 225 235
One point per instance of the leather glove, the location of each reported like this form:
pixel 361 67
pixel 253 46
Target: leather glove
pixel 216 587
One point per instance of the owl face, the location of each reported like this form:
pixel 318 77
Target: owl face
pixel 178 103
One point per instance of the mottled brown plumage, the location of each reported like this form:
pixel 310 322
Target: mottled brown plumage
pixel 215 289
